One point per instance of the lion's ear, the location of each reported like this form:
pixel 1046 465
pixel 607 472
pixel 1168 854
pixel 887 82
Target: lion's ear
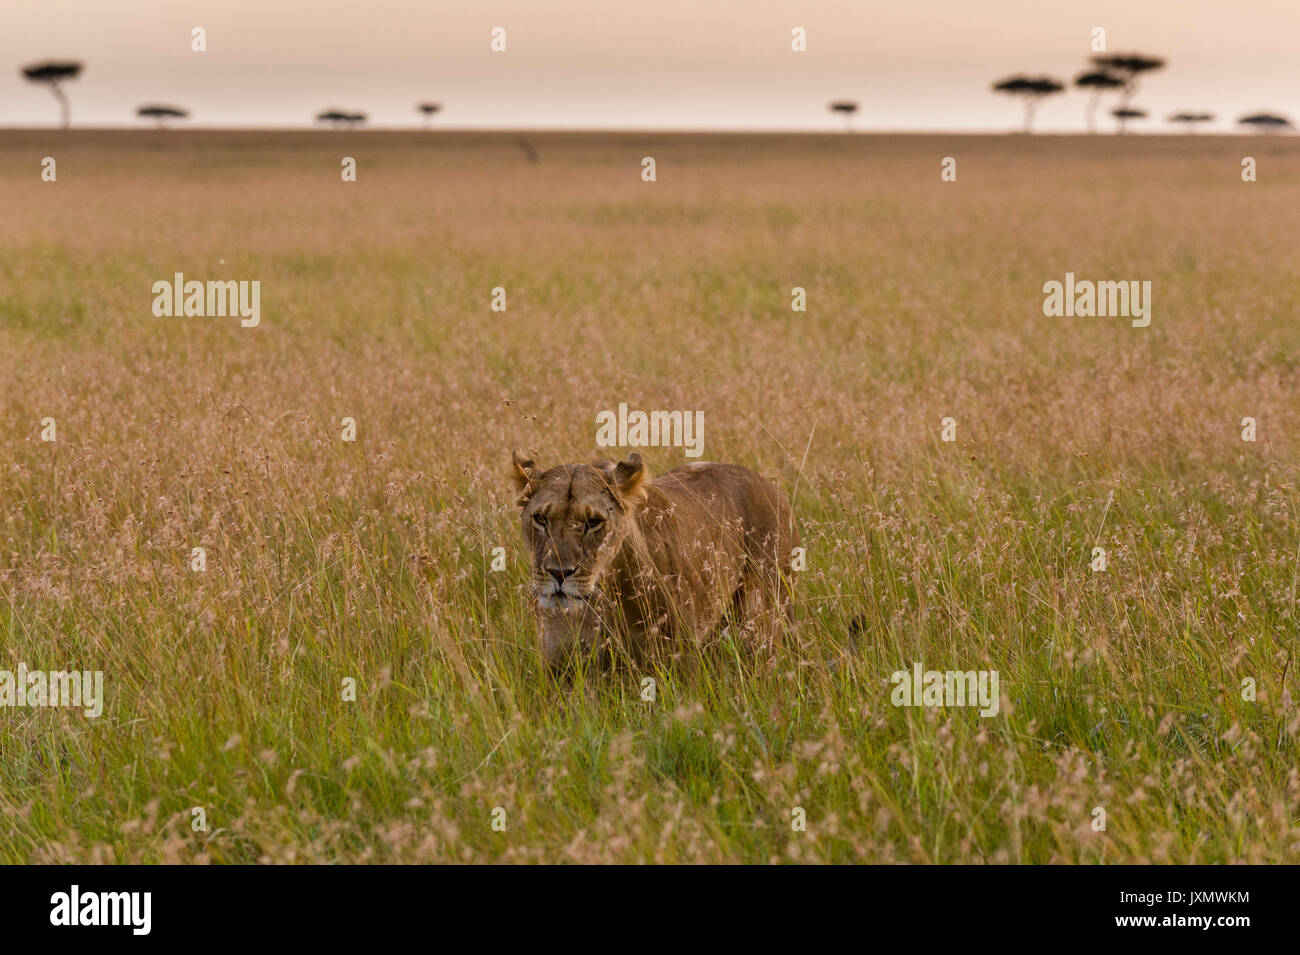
pixel 631 477
pixel 525 474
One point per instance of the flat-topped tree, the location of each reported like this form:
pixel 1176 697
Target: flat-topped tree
pixel 429 110
pixel 340 119
pixel 162 114
pixel 1190 120
pixel 1125 113
pixel 54 73
pixel 334 117
pixel 1098 82
pixel 1032 89
pixel 1129 67
pixel 846 108
pixel 1266 122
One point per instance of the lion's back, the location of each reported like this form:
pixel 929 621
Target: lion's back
pixel 734 495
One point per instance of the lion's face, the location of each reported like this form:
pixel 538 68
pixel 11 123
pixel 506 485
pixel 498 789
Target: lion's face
pixel 569 523
pixel 574 519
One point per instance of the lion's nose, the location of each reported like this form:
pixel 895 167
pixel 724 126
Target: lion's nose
pixel 559 573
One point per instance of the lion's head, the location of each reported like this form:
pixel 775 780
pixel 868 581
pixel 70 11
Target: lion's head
pixel 574 517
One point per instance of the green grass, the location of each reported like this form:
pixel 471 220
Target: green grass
pixel 326 560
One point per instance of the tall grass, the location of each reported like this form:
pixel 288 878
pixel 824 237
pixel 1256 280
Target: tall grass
pixel 370 560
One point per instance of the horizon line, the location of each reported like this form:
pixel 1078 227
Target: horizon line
pixel 1167 129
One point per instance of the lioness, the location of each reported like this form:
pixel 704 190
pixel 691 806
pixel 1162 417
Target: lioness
pixel 625 562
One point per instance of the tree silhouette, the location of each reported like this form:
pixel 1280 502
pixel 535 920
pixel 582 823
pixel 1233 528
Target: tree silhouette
pixel 1191 119
pixel 160 114
pixel 428 109
pixel 846 108
pixel 1129 67
pixel 1033 89
pixel 1097 81
pixel 1125 113
pixel 340 119
pixel 53 73
pixel 1266 122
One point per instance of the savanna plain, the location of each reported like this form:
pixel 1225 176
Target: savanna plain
pixel 1125 690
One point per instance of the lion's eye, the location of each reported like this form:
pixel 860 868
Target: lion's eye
pixel 594 524
pixel 539 521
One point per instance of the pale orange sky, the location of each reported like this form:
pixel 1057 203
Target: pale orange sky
pixel 652 64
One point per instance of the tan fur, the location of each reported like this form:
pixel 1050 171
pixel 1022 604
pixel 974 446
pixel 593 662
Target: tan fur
pixel 655 561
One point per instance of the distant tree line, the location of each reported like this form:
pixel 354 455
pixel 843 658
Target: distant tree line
pixel 53 74
pixel 1118 73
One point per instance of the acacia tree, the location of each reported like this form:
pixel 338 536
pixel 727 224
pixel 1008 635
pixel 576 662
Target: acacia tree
pixel 428 109
pixel 53 73
pixel 1128 67
pixel 340 119
pixel 161 114
pixel 1097 81
pixel 1125 113
pixel 1189 120
pixel 1266 122
pixel 1033 89
pixel 846 108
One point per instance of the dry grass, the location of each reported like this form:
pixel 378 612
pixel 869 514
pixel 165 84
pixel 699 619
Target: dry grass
pixel 329 560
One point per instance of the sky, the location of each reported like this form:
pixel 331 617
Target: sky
pixel 916 65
